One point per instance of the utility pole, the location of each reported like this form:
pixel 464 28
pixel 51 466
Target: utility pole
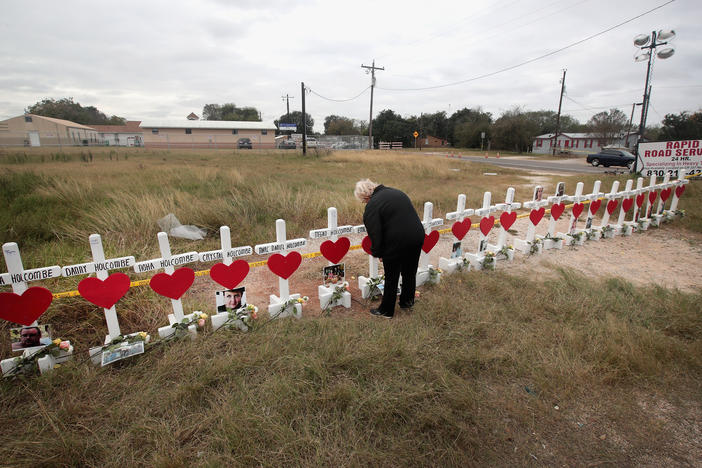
pixel 372 69
pixel 558 117
pixel 304 122
pixel 631 119
pixel 287 99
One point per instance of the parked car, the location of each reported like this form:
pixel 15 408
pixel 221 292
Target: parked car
pixel 612 157
pixel 287 144
pixel 312 142
pixel 244 143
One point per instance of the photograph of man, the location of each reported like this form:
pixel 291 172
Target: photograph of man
pixel 396 235
pixel 29 337
pixel 231 299
pixel 560 189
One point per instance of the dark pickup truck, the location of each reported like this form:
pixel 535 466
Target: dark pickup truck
pixel 612 157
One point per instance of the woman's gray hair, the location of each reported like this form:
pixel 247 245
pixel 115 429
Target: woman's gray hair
pixel 364 189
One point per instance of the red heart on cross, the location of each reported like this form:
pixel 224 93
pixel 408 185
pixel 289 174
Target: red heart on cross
pixel 652 196
pixel 627 203
pixel 230 276
pixel 335 251
pixel 25 308
pixel 666 193
pixel 557 210
pixel 508 219
pixel 173 285
pixel 536 215
pixel 611 206
pixel 430 241
pixel 104 293
pixel 595 205
pixel 486 224
pixel 366 245
pixel 679 191
pixel 284 266
pixel 461 228
pixel 639 199
pixel 578 209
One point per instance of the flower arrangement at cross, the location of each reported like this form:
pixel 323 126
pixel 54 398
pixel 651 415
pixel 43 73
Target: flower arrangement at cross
pixel 336 295
pixel 577 236
pixel 534 246
pixel 120 340
pixel 373 285
pixel 552 238
pixel 26 365
pixel 434 274
pixel 505 251
pixel 244 315
pixel 199 319
pixel 291 303
pixel 488 260
pixel 606 229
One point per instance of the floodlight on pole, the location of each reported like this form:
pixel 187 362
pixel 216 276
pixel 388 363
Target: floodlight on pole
pixel 647 45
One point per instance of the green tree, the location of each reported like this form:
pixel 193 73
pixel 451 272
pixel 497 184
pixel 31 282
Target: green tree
pixel 296 118
pixel 230 111
pixel 466 125
pixel 683 126
pixel 514 131
pixel 389 126
pixel 338 125
pixel 608 125
pixel 67 109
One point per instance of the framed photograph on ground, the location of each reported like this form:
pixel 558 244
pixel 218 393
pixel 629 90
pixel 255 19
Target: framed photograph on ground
pixel 230 299
pixel 30 337
pixel 333 274
pixel 108 357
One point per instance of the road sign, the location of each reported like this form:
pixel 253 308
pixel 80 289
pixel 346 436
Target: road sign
pixel 415 134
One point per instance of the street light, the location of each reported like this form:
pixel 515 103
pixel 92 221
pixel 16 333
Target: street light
pixel 647 48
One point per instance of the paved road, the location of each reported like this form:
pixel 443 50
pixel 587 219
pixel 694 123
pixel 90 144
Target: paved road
pixel 576 166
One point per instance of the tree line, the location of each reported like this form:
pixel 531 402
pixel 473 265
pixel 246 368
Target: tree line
pixel 514 130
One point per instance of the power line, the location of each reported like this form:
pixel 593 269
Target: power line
pixel 339 100
pixel 573 44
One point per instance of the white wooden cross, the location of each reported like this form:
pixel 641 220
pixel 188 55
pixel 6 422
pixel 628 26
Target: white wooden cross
pixel 622 228
pixel 449 265
pixel 577 200
pixel 594 234
pixel 638 194
pixel 167 262
pixel 559 197
pixel 226 255
pixel 477 258
pixel 279 306
pixel 649 206
pixel 372 268
pixel 101 268
pixel 18 278
pixel 658 213
pixel 535 203
pixel 332 231
pixel 612 195
pixel 428 223
pixel 506 209
pixel 679 185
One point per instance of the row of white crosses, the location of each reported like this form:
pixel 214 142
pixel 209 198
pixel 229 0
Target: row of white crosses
pixel 107 289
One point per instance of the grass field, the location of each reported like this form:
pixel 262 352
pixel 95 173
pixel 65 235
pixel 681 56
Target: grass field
pixel 488 370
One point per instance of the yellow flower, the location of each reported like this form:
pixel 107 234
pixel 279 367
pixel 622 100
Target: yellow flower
pixel 57 341
pixel 142 334
pixel 203 316
pixel 300 300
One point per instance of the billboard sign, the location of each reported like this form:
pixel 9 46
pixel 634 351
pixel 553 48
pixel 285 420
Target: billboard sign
pixel 676 158
pixel 287 127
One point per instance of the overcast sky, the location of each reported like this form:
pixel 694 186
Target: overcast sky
pixel 164 59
